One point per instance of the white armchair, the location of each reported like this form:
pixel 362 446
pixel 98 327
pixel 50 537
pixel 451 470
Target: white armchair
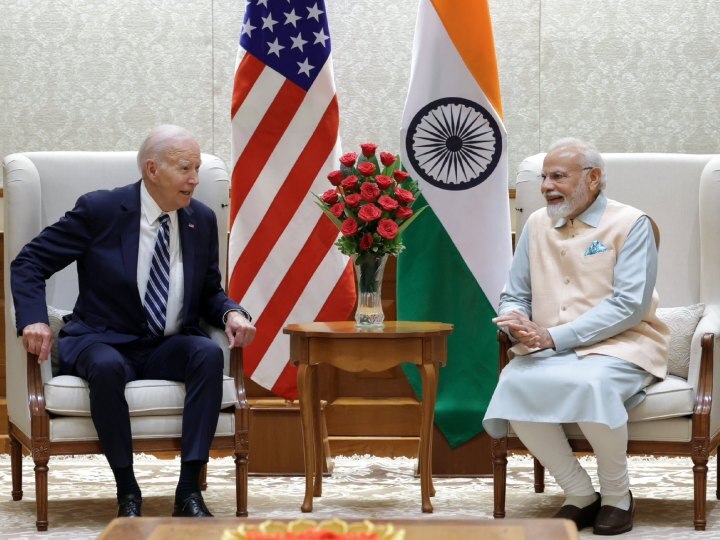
pixel 681 414
pixel 50 414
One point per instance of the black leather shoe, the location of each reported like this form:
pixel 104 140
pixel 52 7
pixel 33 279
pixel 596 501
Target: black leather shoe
pixel 192 506
pixel 129 506
pixel 583 517
pixel 613 520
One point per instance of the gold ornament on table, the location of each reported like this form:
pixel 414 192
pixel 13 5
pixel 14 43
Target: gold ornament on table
pixel 307 529
pixel 371 205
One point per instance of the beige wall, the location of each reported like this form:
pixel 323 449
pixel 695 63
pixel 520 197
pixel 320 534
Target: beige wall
pixel 96 75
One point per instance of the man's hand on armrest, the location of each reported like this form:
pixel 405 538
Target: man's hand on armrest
pixel 524 330
pixel 37 339
pixel 239 330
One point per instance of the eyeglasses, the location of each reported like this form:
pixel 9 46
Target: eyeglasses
pixel 559 176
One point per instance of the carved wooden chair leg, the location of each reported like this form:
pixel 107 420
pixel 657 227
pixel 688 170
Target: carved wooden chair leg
pixel 203 478
pixel 41 490
pixel 539 474
pixel 717 478
pixel 242 453
pixel 16 468
pixel 241 484
pixel 700 471
pixel 499 453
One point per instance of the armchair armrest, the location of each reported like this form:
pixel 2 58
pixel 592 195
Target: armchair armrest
pixel 704 351
pixel 503 353
pixel 233 362
pixel 39 419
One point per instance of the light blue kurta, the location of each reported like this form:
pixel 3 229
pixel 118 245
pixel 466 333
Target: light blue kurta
pixel 555 385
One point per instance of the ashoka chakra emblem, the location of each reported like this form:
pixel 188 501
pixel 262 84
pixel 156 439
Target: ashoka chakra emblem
pixel 454 143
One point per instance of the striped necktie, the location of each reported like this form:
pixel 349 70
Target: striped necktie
pixel 156 296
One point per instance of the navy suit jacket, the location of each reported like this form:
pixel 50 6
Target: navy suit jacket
pixel 102 234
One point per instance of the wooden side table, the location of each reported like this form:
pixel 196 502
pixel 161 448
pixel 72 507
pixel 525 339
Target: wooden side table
pixel 346 347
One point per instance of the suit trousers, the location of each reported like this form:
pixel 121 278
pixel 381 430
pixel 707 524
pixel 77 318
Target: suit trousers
pixel 195 360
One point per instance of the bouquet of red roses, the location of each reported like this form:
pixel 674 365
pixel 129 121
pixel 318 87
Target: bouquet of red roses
pixel 370 203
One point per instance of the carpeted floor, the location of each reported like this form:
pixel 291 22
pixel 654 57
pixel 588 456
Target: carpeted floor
pixel 82 495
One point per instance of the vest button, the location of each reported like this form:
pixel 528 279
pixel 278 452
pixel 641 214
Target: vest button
pixel 567 280
pixel 562 252
pixel 564 308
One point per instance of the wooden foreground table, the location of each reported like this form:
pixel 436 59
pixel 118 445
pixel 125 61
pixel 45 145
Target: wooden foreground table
pixel 428 529
pixel 343 345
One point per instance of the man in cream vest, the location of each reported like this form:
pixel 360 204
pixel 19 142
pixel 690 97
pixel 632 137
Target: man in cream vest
pixel 580 305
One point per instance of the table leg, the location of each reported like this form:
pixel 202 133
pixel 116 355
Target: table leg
pixel 428 374
pixel 317 433
pixel 419 464
pixel 305 393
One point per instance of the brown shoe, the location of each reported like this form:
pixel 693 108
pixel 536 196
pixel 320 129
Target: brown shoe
pixel 613 520
pixel 583 517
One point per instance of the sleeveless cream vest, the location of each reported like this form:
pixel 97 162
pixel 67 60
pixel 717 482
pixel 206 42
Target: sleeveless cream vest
pixel 566 283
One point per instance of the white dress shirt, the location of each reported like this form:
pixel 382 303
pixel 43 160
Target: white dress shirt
pixel 149 225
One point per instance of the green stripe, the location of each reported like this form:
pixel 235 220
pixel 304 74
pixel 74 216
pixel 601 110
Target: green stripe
pixel 435 284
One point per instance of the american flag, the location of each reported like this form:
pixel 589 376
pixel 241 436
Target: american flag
pixel 283 265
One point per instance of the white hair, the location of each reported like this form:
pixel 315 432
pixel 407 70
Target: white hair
pixel 158 141
pixel 591 155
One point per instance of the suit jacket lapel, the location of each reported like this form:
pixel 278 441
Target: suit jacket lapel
pixel 187 245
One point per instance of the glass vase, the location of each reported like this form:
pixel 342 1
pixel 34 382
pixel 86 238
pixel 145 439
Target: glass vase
pixel 369 269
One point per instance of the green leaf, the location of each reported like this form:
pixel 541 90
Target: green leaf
pixel 387 171
pixel 327 212
pixel 412 218
pixel 372 159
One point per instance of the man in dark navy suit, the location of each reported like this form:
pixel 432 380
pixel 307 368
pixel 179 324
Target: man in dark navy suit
pixel 139 306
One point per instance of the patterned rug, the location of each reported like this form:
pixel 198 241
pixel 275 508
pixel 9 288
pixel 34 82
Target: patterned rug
pixel 82 495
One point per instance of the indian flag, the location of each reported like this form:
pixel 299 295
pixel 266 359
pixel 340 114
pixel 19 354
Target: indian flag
pixel 459 252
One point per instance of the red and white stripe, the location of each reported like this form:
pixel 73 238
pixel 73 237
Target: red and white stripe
pixel 283 265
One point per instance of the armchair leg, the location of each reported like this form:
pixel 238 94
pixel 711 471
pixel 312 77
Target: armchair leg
pixel 41 491
pixel 16 468
pixel 539 474
pixel 241 483
pixel 499 453
pixel 700 471
pixel 717 481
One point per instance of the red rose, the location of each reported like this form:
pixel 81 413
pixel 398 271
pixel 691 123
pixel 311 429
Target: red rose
pixel 348 159
pixel 366 168
pixel 337 209
pixel 403 196
pixel 369 191
pixel 350 183
pixel 387 228
pixel 335 177
pixel 383 181
pixel 368 149
pixel 366 241
pixel 352 200
pixel 330 196
pixel 403 212
pixel 349 227
pixel 386 158
pixel 369 212
pixel 400 176
pixel 388 203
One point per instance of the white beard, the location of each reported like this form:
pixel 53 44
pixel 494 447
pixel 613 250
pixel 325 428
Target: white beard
pixel 568 205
